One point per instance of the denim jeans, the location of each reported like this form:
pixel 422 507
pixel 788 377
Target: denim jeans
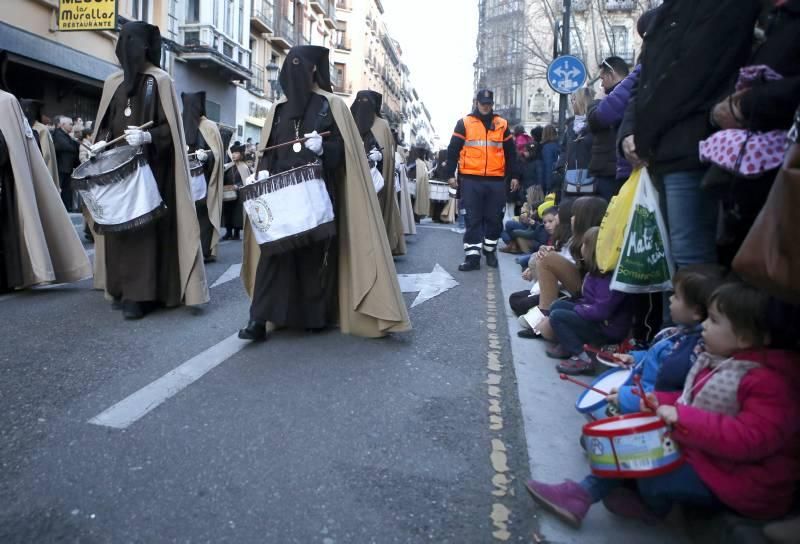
pixel 572 330
pixel 523 260
pixel 691 217
pixel 659 493
pixel 509 227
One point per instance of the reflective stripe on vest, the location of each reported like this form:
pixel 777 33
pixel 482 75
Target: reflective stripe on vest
pixel 482 154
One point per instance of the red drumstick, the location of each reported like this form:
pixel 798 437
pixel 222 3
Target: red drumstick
pixel 582 384
pixel 640 392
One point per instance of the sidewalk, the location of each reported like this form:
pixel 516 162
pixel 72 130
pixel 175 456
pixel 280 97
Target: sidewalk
pixel 552 431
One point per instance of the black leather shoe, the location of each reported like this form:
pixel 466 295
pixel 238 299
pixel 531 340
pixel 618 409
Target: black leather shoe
pixel 255 332
pixel 228 236
pixel 132 310
pixel 469 265
pixel 491 259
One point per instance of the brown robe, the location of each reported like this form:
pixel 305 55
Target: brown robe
pixel 210 133
pixel 48 151
pixel 422 202
pixel 50 250
pixel 370 301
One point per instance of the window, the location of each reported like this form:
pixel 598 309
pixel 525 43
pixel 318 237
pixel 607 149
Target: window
pixel 228 21
pixel 141 9
pixel 192 11
pixel 216 13
pixel 289 11
pixel 619 39
pixel 241 21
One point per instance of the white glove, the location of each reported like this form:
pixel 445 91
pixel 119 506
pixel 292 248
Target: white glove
pixel 262 175
pixel 94 149
pixel 201 155
pixel 375 155
pixel 314 143
pixel 136 137
pixel 251 179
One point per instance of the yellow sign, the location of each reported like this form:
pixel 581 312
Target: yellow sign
pixel 87 14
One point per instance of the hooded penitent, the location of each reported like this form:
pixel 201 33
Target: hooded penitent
pixel 352 271
pixel 162 260
pixel 33 113
pixel 365 109
pixel 38 243
pixel 202 133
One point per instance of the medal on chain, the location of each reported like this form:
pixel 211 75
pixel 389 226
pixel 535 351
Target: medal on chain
pixel 297 147
pixel 128 110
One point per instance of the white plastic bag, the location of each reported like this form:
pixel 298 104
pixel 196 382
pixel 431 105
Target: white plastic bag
pixel 377 178
pixel 645 263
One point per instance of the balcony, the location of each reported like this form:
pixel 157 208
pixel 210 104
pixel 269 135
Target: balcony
pixel 344 44
pixel 343 4
pixel 620 5
pixel 206 47
pixel 256 83
pixel 262 16
pixel 319 6
pixel 628 55
pixel 330 15
pixel 284 34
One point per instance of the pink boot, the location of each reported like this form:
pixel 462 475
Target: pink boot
pixel 568 500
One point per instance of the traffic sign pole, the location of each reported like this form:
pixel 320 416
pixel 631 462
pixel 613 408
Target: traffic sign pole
pixel 562 101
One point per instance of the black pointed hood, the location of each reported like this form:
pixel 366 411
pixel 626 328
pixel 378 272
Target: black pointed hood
pixel 32 109
pixel 139 44
pixel 194 107
pixel 365 108
pixel 298 76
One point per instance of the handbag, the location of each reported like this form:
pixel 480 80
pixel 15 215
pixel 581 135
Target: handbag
pixel 769 257
pixel 229 193
pixel 578 182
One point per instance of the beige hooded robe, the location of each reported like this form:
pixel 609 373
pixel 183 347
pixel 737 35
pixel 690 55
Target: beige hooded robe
pixel 210 133
pixel 50 248
pixel 387 198
pixel 422 203
pixel 48 151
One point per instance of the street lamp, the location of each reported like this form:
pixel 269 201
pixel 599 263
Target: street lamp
pixel 272 78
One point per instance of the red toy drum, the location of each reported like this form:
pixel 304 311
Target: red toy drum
pixel 631 446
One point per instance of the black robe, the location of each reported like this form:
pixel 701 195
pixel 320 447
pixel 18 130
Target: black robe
pixel 142 264
pixel 10 257
pixel 298 289
pixel 233 210
pixel 206 228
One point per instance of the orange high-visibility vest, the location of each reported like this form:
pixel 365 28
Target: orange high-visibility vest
pixel 482 154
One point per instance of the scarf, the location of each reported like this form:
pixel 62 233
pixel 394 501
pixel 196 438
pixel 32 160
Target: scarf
pixel 718 391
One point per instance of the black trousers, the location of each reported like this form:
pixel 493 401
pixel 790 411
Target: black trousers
pixel 65 179
pixel 484 200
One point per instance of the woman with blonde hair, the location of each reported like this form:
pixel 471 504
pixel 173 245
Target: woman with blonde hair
pixel 576 143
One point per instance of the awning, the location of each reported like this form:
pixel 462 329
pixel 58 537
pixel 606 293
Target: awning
pixel 255 121
pixel 31 50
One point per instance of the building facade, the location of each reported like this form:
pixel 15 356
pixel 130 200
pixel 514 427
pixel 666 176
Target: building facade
pixel 367 57
pixel 517 39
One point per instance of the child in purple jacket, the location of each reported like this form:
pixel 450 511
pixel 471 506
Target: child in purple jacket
pixel 599 317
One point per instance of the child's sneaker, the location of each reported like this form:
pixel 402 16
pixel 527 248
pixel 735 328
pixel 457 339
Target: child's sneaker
pixel 568 500
pixel 575 366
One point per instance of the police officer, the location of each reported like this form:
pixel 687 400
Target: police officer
pixel 483 149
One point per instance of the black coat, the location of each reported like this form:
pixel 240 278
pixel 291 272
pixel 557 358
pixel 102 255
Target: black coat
pixel 771 105
pixel 604 147
pixel 576 148
pixel 690 57
pixel 67 151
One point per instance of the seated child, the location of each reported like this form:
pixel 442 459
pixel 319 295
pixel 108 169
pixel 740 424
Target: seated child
pixel 600 316
pixel 674 350
pixel 737 422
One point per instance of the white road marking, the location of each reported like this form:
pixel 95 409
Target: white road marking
pixel 428 285
pixel 132 408
pixel 230 274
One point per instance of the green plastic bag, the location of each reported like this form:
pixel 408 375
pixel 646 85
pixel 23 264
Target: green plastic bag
pixel 645 263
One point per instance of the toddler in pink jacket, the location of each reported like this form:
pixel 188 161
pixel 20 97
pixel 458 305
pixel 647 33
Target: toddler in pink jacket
pixel 737 422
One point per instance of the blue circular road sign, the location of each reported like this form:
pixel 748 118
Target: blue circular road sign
pixel 566 74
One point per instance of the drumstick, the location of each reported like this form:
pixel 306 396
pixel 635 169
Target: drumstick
pixel 583 384
pixel 290 142
pixel 639 392
pixel 120 138
pixel 195 153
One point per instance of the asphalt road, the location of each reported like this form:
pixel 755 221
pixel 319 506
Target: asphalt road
pixel 327 438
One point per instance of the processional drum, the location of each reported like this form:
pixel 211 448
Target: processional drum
pixel 119 190
pixel 592 404
pixel 439 191
pixel 289 210
pixel 198 180
pixel 632 446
